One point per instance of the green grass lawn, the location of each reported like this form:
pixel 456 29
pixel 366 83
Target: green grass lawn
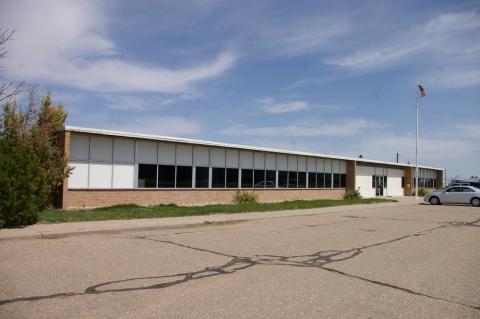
pixel 133 211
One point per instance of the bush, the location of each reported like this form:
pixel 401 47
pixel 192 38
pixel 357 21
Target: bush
pixel 422 192
pixel 352 194
pixel 243 197
pixel 23 187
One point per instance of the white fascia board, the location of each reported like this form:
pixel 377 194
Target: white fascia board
pixel 88 130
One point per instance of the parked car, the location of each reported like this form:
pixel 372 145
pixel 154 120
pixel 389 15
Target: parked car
pixel 454 195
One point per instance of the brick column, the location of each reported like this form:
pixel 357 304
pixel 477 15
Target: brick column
pixel 351 175
pixel 64 142
pixel 439 180
pixel 408 173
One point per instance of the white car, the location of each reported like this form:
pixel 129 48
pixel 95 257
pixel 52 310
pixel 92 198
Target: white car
pixel 454 195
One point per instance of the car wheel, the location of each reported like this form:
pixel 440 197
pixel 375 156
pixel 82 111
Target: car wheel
pixel 475 202
pixel 434 200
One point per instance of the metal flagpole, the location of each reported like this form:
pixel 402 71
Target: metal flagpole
pixel 416 149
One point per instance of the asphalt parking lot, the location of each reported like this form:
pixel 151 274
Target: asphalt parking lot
pixel 416 261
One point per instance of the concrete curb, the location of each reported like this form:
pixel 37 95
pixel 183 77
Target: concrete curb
pixel 54 231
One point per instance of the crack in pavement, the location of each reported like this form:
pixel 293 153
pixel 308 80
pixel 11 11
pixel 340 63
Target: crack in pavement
pixel 235 263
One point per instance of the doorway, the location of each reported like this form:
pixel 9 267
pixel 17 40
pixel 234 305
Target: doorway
pixel 378 182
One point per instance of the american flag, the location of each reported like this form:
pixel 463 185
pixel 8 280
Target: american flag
pixel 422 90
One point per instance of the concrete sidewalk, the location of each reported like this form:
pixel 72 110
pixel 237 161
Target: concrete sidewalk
pixel 111 226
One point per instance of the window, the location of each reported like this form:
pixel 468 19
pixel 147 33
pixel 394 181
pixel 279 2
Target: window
pixel 328 180
pixel 385 181
pixel 247 178
pixel 282 179
pixel 292 179
pixel 373 181
pixel 270 179
pixel 184 177
pixel 321 180
pixel 232 178
pixel 336 180
pixel 259 178
pixel 302 179
pixel 312 180
pixel 147 176
pixel 201 177
pixel 218 177
pixel 166 176
pixel 343 180
pixel 403 182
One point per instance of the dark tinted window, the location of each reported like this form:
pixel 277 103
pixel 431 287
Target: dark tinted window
pixel 328 180
pixel 403 182
pixel 336 180
pixel 302 179
pixel 184 176
pixel 270 179
pixel 321 180
pixel 147 176
pixel 259 178
pixel 292 179
pixel 232 178
pixel 247 178
pixel 166 176
pixel 201 177
pixel 218 177
pixel 312 180
pixel 282 179
pixel 343 180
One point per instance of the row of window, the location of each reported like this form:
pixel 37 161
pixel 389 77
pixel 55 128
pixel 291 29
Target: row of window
pixel 170 176
pixel 425 182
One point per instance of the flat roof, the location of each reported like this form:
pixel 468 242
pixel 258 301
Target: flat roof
pixel 88 130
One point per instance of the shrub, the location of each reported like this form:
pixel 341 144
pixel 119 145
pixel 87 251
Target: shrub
pixel 243 197
pixel 24 190
pixel 352 194
pixel 422 192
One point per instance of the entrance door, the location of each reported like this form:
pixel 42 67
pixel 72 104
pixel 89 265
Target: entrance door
pixel 379 185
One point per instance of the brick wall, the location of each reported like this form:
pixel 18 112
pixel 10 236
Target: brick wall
pixel 106 197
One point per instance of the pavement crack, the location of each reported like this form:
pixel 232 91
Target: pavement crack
pixel 319 260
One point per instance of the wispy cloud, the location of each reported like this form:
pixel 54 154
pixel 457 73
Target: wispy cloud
pixel 346 127
pixel 439 38
pixel 270 105
pixel 66 43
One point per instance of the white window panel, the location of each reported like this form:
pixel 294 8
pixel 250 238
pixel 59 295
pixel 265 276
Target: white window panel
pixel 311 164
pixel 302 164
pixel 123 175
pixel 166 153
pixel 217 157
pixel 79 147
pixel 101 148
pixel 146 152
pixel 292 163
pixel 100 175
pixel 201 157
pixel 282 162
pixel 320 165
pixel 232 158
pixel 343 167
pixel 246 159
pixel 335 166
pixel 270 161
pixel 327 168
pixel 123 150
pixel 258 160
pixel 184 155
pixel 79 176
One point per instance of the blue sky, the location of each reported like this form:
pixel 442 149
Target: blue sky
pixel 320 76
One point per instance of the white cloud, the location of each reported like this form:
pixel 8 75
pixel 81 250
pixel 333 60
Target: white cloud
pixel 453 78
pixel 442 37
pixel 269 105
pixel 347 127
pixel 66 42
pixel 162 125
